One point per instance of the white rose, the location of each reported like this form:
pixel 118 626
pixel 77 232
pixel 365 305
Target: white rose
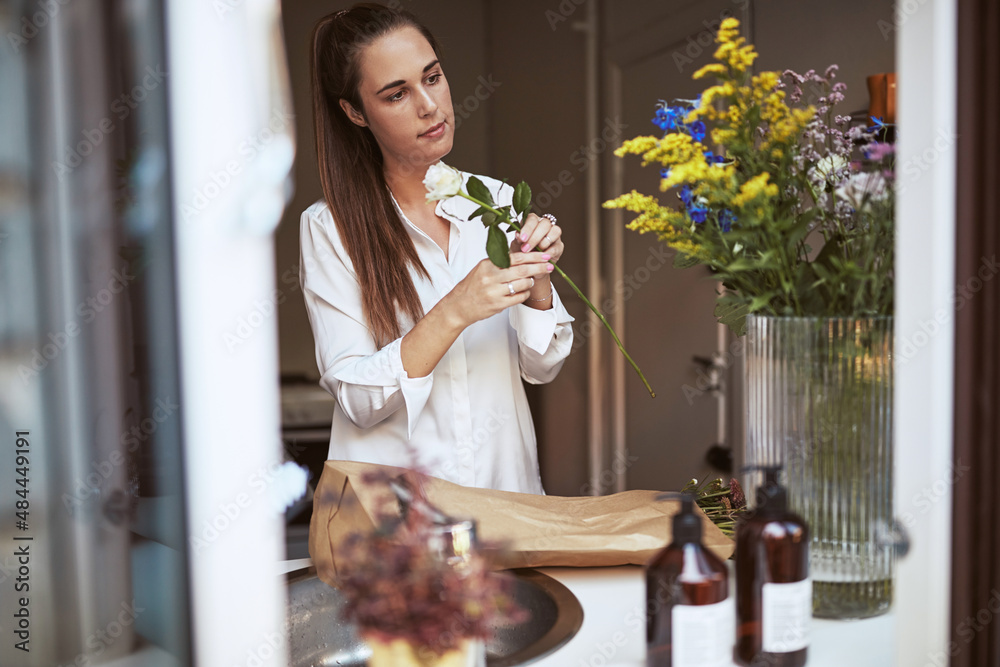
pixel 442 181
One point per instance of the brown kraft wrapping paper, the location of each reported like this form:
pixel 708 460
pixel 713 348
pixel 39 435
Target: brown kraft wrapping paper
pixel 535 531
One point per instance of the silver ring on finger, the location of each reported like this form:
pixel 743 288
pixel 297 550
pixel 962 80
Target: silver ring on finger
pixel 532 278
pixel 548 240
pixel 510 287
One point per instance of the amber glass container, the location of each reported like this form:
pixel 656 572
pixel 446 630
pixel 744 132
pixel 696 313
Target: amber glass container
pixel 689 614
pixel 773 588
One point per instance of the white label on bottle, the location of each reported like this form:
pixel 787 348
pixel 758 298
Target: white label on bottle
pixel 785 615
pixel 703 635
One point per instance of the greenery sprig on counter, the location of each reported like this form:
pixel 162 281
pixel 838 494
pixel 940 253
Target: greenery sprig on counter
pixel 722 503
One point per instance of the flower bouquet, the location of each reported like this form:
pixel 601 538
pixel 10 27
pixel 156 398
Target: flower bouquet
pixel 761 177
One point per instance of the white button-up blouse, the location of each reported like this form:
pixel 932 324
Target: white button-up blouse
pixel 468 420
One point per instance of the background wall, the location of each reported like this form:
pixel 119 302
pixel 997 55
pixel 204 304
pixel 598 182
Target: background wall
pixel 516 70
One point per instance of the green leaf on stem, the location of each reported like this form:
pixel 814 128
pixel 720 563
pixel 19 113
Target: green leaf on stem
pixel 497 248
pixel 478 212
pixel 479 191
pixel 489 218
pixel 522 197
pixel 732 312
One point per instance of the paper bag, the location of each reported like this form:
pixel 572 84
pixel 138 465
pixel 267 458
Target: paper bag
pixel 536 531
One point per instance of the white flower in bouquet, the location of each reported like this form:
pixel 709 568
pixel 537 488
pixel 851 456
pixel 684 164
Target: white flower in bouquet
pixel 829 168
pixel 442 181
pixel 863 188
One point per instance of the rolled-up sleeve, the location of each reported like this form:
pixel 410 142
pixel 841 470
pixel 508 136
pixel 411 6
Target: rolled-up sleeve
pixel 369 384
pixel 545 338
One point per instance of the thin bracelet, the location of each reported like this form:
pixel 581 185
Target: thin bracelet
pixel 544 298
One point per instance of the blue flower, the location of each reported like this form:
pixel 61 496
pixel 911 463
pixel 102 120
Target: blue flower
pixel 665 172
pixel 669 118
pixel 712 158
pixel 878 124
pixel 726 219
pixel 686 195
pixel 698 213
pixel 697 130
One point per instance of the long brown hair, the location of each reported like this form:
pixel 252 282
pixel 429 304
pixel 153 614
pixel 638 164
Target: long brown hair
pixel 350 167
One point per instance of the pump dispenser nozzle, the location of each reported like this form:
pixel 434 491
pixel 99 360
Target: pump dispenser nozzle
pixel 686 526
pixel 772 494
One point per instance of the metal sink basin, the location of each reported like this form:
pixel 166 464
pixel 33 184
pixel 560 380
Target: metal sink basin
pixel 318 637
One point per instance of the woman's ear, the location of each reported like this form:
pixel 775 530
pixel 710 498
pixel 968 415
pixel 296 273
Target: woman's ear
pixel 353 114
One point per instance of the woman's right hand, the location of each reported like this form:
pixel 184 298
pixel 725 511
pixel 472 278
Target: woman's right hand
pixel 488 289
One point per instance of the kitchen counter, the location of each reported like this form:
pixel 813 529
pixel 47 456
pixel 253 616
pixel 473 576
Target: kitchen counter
pixel 614 624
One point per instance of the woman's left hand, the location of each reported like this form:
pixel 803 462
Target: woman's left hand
pixel 541 234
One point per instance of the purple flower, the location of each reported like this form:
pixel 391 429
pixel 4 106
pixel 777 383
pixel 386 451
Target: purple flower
pixel 879 150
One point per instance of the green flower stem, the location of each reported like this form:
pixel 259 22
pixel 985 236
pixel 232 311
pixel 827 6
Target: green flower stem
pixel 576 289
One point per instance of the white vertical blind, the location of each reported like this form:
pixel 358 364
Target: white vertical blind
pixel 925 314
pixel 231 143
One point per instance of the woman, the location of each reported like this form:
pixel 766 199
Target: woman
pixel 419 337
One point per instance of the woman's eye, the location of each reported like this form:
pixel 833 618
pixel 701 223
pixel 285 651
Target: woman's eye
pixel 433 78
pixel 396 97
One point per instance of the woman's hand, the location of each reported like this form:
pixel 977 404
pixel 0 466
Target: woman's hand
pixel 541 234
pixel 488 289
pixel 544 234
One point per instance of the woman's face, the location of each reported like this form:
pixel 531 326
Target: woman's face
pixel 405 94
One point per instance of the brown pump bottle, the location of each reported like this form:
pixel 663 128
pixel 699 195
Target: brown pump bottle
pixel 773 588
pixel 689 614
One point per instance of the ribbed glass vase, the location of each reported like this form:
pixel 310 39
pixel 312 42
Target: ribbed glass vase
pixel 819 403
